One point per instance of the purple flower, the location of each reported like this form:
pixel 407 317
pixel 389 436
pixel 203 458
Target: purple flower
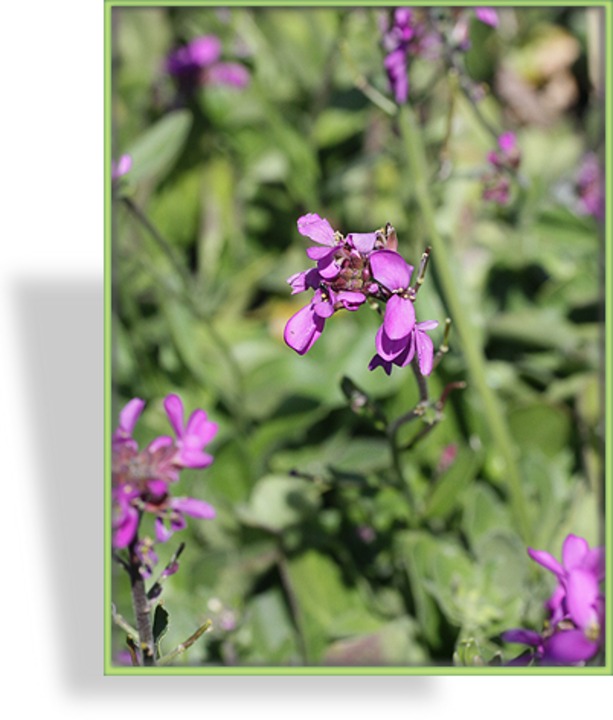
pixel 192 437
pixel 394 274
pixel 350 270
pixel 142 480
pixel 563 646
pixel 574 629
pixel 407 36
pixel 341 279
pixel 487 15
pixel 496 183
pixel 590 187
pixel 197 63
pixel 577 596
pixel 121 167
pixel 418 344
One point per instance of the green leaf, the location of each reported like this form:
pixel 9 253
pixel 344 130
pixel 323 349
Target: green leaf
pixel 327 607
pixel 154 152
pixel 160 622
pixel 446 493
pixel 278 502
pixel 540 426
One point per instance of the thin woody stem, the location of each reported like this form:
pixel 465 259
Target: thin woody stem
pixel 141 607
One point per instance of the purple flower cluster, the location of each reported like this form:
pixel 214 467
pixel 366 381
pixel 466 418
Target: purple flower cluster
pixel 413 32
pixel 349 271
pixel 502 162
pixel 198 63
pixel 142 479
pixel 574 630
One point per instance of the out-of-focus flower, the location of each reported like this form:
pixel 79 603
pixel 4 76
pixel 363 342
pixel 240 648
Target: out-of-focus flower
pixel 121 167
pixel 487 15
pixel 407 35
pixel 198 63
pixel 574 630
pixel 590 187
pixel 142 480
pixel 503 162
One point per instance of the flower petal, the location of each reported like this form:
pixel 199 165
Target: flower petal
pixel 302 330
pixel 126 529
pixel 547 561
pixel 130 414
pixel 387 348
pixel 199 429
pixel 582 593
pixel 378 361
pixel 487 15
pixel 574 550
pixel 362 242
pixel 195 508
pixel 567 647
pixel 174 409
pixel 390 269
pixel 316 228
pixel 232 74
pixel 204 50
pixel 425 352
pixel 399 319
pixel 320 253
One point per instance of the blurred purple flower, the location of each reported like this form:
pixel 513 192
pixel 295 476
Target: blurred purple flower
pixel 142 480
pixel 590 187
pixel 574 630
pixel 503 162
pixel 577 596
pixel 406 36
pixel 121 167
pixel 487 15
pixel 197 64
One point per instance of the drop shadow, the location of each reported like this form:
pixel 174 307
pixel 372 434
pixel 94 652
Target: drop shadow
pixel 61 347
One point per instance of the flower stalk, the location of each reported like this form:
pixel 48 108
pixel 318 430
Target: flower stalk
pixel 415 153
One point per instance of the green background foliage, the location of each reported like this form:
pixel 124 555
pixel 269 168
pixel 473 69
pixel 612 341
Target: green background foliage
pixel 315 556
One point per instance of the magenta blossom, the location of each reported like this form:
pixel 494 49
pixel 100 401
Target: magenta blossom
pixel 349 271
pixel 341 280
pixel 121 167
pixel 418 345
pixel 577 596
pixel 590 187
pixel 198 63
pixel 574 630
pixel 503 163
pixel 487 15
pixel 394 274
pixel 142 480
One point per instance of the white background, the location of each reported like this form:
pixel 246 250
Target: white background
pixel 51 433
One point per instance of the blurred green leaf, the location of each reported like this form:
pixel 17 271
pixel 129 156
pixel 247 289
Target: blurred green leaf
pixel 154 152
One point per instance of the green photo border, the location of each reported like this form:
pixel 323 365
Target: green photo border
pixel 109 668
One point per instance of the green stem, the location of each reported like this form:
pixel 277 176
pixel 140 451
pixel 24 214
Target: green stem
pixel 415 151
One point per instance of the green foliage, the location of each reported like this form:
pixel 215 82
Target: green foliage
pixel 329 547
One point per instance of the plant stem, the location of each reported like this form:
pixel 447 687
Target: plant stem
pixel 141 607
pixel 416 156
